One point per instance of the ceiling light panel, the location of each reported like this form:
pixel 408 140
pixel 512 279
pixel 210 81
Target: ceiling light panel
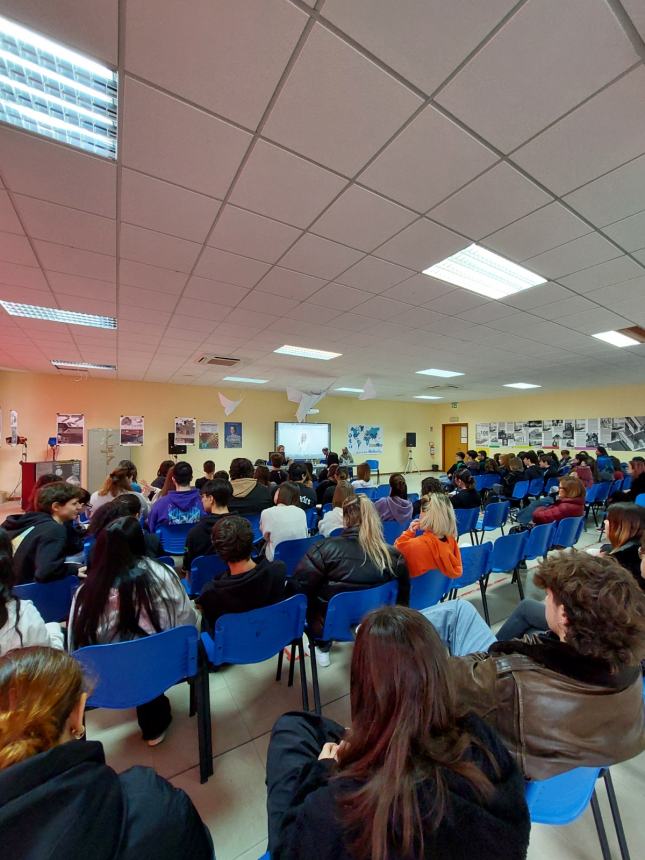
pixel 484 272
pixel 521 385
pixel 616 338
pixel 303 352
pixel 427 397
pixel 353 390
pixel 245 379
pixel 35 312
pixel 50 90
pixel 433 371
pixel 82 365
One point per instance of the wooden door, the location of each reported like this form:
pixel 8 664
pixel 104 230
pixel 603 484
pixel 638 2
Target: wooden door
pixel 454 438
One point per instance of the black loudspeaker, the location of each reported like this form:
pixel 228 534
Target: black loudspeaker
pixel 410 440
pixel 175 449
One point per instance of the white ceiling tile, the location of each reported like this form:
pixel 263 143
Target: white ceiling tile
pixel 615 195
pixel 67 226
pixel 230 268
pixel 337 107
pixel 362 219
pixel 596 320
pixel 418 290
pixel 148 246
pixel 640 255
pixel 536 296
pixel 636 12
pixel 15 278
pixel 158 205
pixel 351 322
pixel 601 134
pixel 558 310
pixel 603 275
pixel 572 256
pixel 207 50
pixel 308 311
pixel 339 297
pixel 16 249
pixel 632 292
pixel 491 201
pixel 629 232
pixel 421 244
pixel 293 285
pixel 423 40
pixel 189 307
pixel 150 321
pixel 135 297
pixel 538 232
pixel 9 222
pixel 284 186
pixel 486 312
pixel 430 159
pixel 60 174
pixel 191 326
pixel 87 305
pixel 214 291
pixel 267 303
pixel 78 285
pixel 75 261
pixel 251 319
pixel 321 257
pixel 374 275
pixel 156 127
pixel 456 302
pixel 380 308
pixel 545 60
pixel 252 235
pixel 151 277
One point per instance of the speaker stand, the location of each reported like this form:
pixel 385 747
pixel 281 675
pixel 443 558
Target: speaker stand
pixel 411 465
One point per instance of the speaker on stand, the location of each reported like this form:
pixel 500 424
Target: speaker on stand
pixel 410 443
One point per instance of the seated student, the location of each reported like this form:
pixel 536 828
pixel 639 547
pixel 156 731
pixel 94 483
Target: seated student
pixel 412 777
pixel 580 467
pixel 482 456
pixel 277 475
pixel 618 468
pixel 428 487
pixel 249 496
pixel 297 475
pixel 489 467
pixel 436 548
pixel 570 502
pixel 604 464
pixel 117 482
pixel 221 475
pixel 625 530
pixel 162 471
pixel 340 476
pixel 182 504
pixel 508 480
pixel 472 462
pixel 363 476
pixel 565 459
pixel 132 474
pixel 465 496
pixel 548 467
pixel 568 698
pixel 637 471
pixel 395 506
pixel 531 466
pixel 125 596
pixel 262 475
pixel 247 585
pixel 49 478
pixel 328 484
pixel 39 539
pixel 333 519
pixel 125 505
pixel 359 558
pixel 209 474
pixel 21 624
pixel 331 459
pixel 457 465
pixel 58 798
pixel 286 521
pixel 216 496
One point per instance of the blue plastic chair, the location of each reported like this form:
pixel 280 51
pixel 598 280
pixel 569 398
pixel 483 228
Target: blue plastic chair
pixel 539 541
pixel 475 562
pixel 202 570
pixel 595 497
pixel 640 500
pixel 392 530
pixel 508 553
pixel 428 589
pixel 88 543
pixel 52 599
pixel 312 519
pixel 627 483
pixel 127 674
pixel 374 467
pixel 173 538
pixel 382 491
pixel 344 612
pixel 536 487
pixel 326 508
pixel 494 517
pixel 563 798
pixel 568 531
pixel 520 491
pixel 485 482
pixel 467 522
pixel 336 532
pixel 550 484
pixel 258 635
pixel 366 491
pixel 292 551
pixel 167 559
pixel 413 497
pixel 254 519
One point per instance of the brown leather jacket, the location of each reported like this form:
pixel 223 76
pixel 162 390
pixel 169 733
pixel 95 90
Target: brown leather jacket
pixel 553 708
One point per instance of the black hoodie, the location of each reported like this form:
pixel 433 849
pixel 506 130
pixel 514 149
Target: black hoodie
pixel 67 804
pixel 40 554
pixel 199 540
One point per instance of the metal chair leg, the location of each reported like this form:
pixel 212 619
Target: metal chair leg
pixel 192 709
pixel 303 675
pixel 483 583
pixel 615 814
pixel 314 677
pixel 600 827
pixel 292 664
pixel 518 578
pixel 205 763
pixel 278 674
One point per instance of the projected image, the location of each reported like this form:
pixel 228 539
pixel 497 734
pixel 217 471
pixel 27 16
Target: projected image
pixel 302 441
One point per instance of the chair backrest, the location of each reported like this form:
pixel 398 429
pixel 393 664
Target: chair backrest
pixel 173 538
pixel 627 483
pixel 348 609
pixel 88 543
pixel 495 515
pixel 563 798
pixel 373 464
pixel 568 531
pixel 312 518
pixel 520 490
pixel 336 532
pixel 536 486
pixel 166 559
pixel 392 530
pixel 291 551
pixel 254 519
pixel 640 499
pixel 257 635
pixel 126 674
pixel 602 491
pixel 551 483
pixel 202 570
pixel 466 519
pixel 485 482
pixel 366 491
pixel 382 491
pixel 52 599
pixel 508 551
pixel 413 497
pixel 428 589
pixel 475 562
pixel 539 541
pixel 564 470
pixel 616 486
pixel 326 508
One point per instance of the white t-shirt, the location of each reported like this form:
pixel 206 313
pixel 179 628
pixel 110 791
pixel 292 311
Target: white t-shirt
pixel 330 522
pixel 360 483
pixel 31 629
pixel 97 501
pixel 284 522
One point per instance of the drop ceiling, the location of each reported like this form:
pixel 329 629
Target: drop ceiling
pixel 286 170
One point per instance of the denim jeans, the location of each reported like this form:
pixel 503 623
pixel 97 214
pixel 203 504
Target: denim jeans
pixel 460 627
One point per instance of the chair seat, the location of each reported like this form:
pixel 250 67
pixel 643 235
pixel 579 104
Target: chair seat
pixel 563 798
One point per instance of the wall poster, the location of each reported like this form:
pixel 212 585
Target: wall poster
pixel 232 434
pixel 131 430
pixel 617 434
pixel 185 431
pixel 365 439
pixel 70 428
pixel 208 435
pixel 13 426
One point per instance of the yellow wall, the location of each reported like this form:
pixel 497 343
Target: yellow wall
pixel 584 403
pixel 37 399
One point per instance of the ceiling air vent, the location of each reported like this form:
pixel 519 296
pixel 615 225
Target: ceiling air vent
pixel 636 332
pixel 218 360
pixel 446 386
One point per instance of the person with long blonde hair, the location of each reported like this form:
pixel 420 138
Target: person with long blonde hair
pixel 333 519
pixel 116 483
pixel 436 548
pixel 359 558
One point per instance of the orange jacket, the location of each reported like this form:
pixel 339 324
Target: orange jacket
pixel 428 552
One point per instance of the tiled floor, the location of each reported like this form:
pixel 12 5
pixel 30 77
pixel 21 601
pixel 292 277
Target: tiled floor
pixel 245 702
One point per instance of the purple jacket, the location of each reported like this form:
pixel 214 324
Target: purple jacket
pixel 394 508
pixel 176 508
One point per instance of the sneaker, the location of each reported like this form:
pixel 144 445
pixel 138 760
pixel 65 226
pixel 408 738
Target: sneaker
pixel 154 742
pixel 323 658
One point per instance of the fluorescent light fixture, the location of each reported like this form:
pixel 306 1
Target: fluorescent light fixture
pixel 352 390
pixel 427 397
pixel 616 338
pixel 433 371
pixel 484 272
pixel 303 352
pixel 245 379
pixel 35 312
pixel 521 385
pixel 56 92
pixel 82 365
